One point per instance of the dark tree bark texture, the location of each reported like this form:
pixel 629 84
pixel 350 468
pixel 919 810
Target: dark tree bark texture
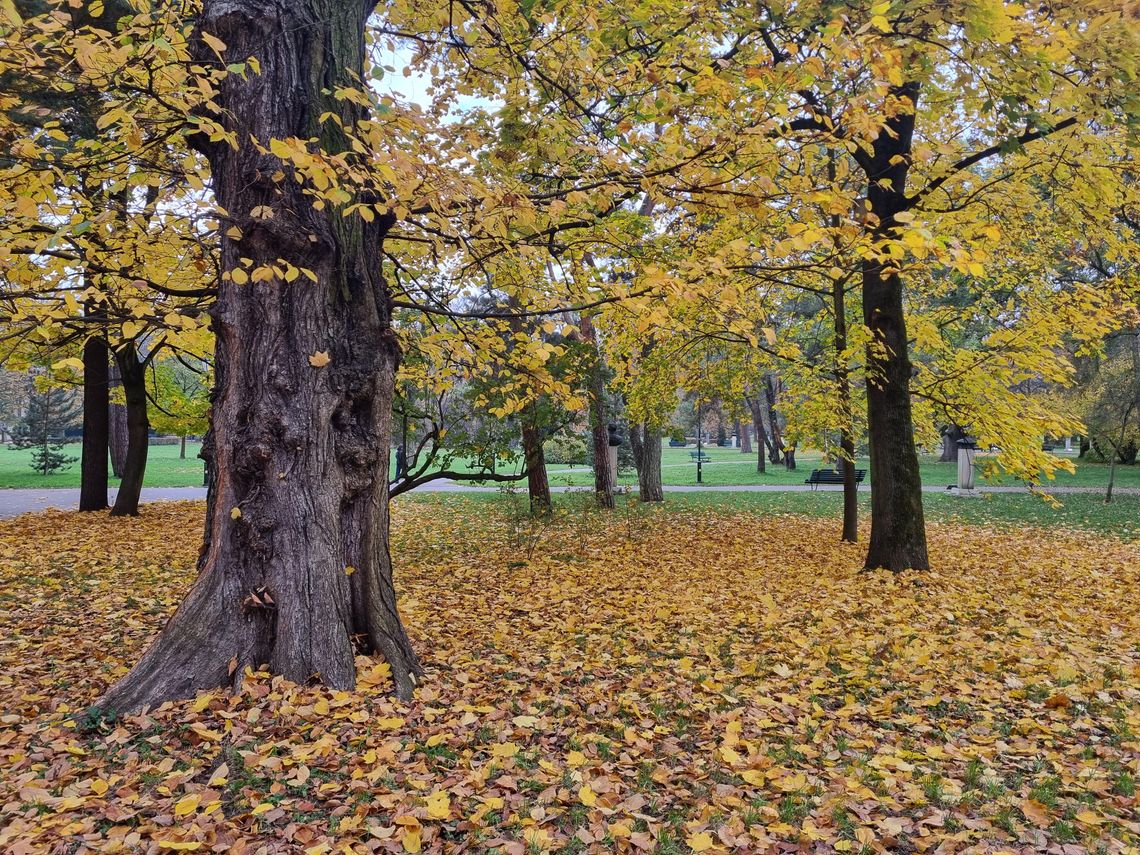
pixel 898 530
pixel 132 374
pixel 296 572
pixel 596 390
pixel 646 445
pixel 538 484
pixel 117 437
pixel 96 424
pixel 754 404
pixel 846 430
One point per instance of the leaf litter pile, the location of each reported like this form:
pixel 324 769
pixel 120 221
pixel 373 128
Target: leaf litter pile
pixel 664 681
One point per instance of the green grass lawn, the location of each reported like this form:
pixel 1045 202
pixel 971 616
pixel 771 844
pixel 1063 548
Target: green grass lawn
pixel 164 468
pixel 728 467
pixel 1081 512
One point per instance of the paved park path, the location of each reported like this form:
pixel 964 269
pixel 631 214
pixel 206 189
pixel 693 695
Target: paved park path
pixel 16 502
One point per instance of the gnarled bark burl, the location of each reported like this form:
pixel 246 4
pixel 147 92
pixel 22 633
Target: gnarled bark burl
pixel 300 446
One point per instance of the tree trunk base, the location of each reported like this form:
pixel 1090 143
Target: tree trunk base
pixel 221 629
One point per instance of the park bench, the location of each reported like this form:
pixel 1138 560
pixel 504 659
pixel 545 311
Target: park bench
pixel 699 457
pixel 830 476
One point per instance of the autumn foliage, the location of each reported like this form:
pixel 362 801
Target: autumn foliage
pixel 660 681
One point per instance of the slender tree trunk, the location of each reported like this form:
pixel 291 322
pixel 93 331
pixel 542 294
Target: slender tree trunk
pixel 636 446
pixel 790 457
pixel 46 447
pixel 538 485
pixel 898 529
pixel 754 404
pixel 296 573
pixel 132 373
pixel 182 448
pixel 96 424
pixel 596 391
pixel 745 439
pixel 117 427
pixel 771 419
pixel 761 446
pixel 846 417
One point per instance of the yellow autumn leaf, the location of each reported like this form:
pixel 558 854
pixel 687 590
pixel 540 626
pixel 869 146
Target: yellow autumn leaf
pixel 702 841
pixel 187 805
pixel 504 749
pixel 439 805
pixel 411 841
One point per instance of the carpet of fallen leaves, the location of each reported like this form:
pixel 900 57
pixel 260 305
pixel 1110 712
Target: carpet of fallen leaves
pixel 671 681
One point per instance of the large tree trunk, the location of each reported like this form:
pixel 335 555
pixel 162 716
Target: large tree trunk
pixel 296 573
pixel 132 374
pixel 96 424
pixel 646 445
pixel 596 391
pixel 898 530
pixel 745 439
pixel 117 427
pixel 538 485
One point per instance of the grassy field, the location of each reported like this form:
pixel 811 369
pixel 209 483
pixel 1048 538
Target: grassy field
pixel 164 468
pixel 728 467
pixel 1000 511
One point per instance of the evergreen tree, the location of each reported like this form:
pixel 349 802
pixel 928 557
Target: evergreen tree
pixel 50 412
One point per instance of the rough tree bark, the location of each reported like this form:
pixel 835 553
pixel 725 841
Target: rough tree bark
pixel 132 374
pixel 950 436
pixel 596 391
pixel 302 414
pixel 745 439
pixel 843 384
pixel 117 427
pixel 846 423
pixel 754 404
pixel 898 530
pixel 790 457
pixel 771 418
pixel 538 485
pixel 646 445
pixel 96 424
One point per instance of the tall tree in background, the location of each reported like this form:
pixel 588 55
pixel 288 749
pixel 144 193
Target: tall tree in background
pixel 50 412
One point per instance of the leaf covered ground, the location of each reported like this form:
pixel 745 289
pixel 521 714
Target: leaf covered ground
pixel 665 681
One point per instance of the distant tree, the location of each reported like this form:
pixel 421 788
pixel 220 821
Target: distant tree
pixel 1112 411
pixel 14 390
pixel 180 397
pixel 50 412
